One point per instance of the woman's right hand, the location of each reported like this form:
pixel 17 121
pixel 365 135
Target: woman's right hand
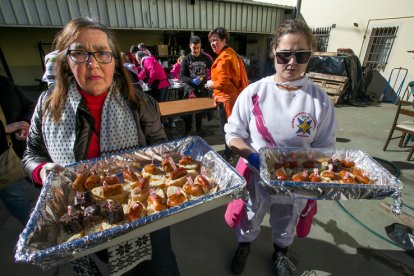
pixel 13 127
pixel 47 168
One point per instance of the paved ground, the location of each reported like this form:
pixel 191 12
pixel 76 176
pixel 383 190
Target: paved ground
pixel 346 239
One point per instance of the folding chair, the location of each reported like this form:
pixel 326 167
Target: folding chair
pixel 409 92
pixel 406 127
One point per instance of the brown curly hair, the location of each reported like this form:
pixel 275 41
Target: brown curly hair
pixel 64 76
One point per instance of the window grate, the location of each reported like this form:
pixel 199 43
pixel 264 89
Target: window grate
pixel 321 38
pixel 379 47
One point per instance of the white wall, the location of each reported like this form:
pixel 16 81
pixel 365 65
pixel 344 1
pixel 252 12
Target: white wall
pixel 367 14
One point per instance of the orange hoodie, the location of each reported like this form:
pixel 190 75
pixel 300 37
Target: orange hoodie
pixel 225 74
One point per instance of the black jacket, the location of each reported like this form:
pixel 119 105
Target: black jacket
pixel 193 67
pixel 16 107
pixel 147 118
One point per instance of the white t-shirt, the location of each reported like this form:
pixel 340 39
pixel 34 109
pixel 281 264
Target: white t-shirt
pixel 301 118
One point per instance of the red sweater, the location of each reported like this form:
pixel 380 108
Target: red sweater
pixel 95 105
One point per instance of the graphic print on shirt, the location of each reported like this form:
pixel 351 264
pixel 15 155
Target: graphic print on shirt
pixel 197 69
pixel 304 124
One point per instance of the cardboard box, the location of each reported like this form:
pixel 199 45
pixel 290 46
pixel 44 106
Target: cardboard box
pixel 162 50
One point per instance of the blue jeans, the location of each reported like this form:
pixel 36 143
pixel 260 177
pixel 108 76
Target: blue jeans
pixel 15 201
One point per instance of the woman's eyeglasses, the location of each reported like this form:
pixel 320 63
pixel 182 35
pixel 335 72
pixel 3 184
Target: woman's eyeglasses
pixel 82 56
pixel 301 57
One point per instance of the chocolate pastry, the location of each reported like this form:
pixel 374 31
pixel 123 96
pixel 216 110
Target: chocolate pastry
pixel 72 221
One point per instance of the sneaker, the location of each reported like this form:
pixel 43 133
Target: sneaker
pixel 283 266
pixel 239 259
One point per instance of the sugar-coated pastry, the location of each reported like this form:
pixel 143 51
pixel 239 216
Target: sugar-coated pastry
pixel 136 211
pixel 71 221
pixel 112 211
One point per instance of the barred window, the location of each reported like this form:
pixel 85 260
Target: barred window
pixel 379 47
pixel 321 36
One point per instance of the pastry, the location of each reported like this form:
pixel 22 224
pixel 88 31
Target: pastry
pixel 92 215
pixel 136 211
pixel 112 211
pixel 71 221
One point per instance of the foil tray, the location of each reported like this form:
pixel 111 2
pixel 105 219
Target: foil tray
pixel 383 183
pixel 37 243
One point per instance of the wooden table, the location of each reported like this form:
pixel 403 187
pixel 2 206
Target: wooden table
pixel 188 106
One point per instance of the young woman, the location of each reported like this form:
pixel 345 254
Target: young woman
pixel 270 112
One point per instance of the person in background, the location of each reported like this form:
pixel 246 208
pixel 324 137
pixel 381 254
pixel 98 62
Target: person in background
pixel 175 70
pixel 143 48
pixel 194 75
pixel 49 75
pixel 131 55
pixel 225 78
pixel 154 75
pixel 285 110
pixel 17 110
pixel 93 111
pixel 132 69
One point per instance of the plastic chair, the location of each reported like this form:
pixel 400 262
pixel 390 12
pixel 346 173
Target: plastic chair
pixel 406 127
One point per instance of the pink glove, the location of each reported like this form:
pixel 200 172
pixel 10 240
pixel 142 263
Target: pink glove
pixel 235 212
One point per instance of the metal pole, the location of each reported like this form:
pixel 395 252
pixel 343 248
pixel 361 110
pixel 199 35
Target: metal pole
pixel 297 12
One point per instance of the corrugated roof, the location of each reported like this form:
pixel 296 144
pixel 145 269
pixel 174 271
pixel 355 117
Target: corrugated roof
pixel 236 16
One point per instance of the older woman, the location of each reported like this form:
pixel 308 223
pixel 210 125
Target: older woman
pixel 226 77
pixel 93 111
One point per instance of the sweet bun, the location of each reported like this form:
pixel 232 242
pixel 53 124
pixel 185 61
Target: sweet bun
pixel 121 197
pixel 156 201
pixel 175 196
pixel 137 210
pixel 188 163
pixel 177 177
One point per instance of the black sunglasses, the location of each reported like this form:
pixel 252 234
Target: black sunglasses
pixel 301 57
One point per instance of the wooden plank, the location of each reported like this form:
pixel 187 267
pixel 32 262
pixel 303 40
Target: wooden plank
pixel 188 106
pixel 321 76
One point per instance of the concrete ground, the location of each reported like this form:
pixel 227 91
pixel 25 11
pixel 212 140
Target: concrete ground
pixel 346 239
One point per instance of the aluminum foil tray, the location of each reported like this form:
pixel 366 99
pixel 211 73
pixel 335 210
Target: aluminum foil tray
pixel 37 243
pixel 383 183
